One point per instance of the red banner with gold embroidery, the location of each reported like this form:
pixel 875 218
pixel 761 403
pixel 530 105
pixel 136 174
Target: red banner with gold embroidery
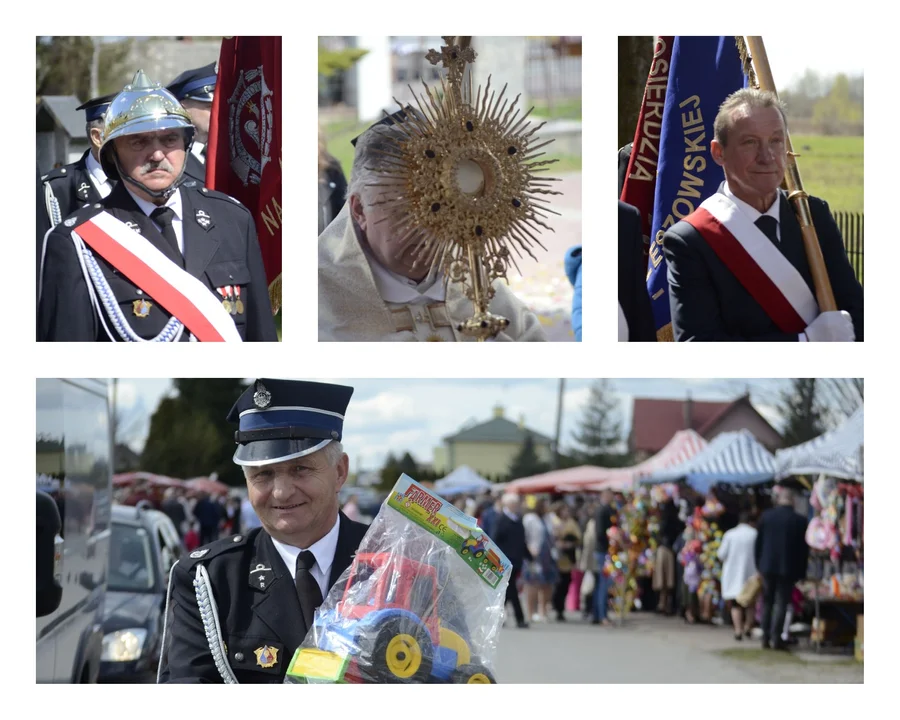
pixel 244 153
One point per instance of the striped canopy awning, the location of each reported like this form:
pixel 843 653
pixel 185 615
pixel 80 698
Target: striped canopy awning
pixel 736 458
pixel 838 453
pixel 588 478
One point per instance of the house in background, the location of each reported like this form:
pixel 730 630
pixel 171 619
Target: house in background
pixel 489 447
pixel 656 421
pixel 61 138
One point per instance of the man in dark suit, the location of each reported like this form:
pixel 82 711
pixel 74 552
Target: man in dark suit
pixel 737 268
pixel 195 90
pixel 72 186
pixel 624 158
pixel 240 607
pixel 509 534
pixel 781 555
pixel 634 300
pixel 127 268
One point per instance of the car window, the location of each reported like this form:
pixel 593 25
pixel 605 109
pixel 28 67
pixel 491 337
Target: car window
pixel 130 559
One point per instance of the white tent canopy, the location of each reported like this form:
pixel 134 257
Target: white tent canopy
pixel 736 458
pixel 838 453
pixel 462 480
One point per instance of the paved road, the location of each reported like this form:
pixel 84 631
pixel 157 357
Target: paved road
pixel 542 284
pixel 649 649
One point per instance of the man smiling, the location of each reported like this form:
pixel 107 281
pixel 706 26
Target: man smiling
pixel 160 258
pixel 241 606
pixel 737 267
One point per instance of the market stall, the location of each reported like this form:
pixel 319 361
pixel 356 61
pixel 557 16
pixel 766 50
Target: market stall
pixel 463 480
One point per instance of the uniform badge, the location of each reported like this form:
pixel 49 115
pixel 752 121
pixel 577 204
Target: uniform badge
pixel 199 553
pixel 142 308
pixel 203 220
pixel 261 576
pixel 70 222
pixel 134 226
pixel 266 657
pixel 262 398
pixel 82 191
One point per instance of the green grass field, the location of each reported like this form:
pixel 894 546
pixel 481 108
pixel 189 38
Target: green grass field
pixel 832 168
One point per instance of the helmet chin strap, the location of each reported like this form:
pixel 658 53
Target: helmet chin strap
pixel 156 194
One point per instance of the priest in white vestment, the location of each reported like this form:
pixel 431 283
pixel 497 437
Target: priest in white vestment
pixel 371 290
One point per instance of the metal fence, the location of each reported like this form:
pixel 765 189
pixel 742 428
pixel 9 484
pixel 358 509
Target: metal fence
pixel 851 225
pixel 553 75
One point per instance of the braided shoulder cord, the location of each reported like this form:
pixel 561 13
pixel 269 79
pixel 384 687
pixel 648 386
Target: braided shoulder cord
pixel 210 615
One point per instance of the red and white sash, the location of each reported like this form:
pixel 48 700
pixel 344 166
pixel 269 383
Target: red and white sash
pixel 757 264
pixel 181 294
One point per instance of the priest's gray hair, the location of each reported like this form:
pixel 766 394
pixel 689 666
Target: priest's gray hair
pixel 369 160
pixel 750 98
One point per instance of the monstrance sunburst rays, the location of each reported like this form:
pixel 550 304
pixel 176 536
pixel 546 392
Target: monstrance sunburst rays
pixel 463 186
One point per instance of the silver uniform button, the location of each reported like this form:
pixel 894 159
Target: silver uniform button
pixel 63 170
pixel 98 205
pixel 237 538
pixel 239 656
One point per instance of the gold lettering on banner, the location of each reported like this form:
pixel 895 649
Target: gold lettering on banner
pixel 647 157
pixel 690 190
pixel 271 216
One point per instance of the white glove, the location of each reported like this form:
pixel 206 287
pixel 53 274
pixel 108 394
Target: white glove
pixel 832 326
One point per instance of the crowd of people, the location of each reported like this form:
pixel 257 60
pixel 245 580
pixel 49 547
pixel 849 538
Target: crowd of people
pixel 199 517
pixel 711 559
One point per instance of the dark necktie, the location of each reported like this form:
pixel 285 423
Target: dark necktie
pixel 307 588
pixel 163 216
pixel 769 226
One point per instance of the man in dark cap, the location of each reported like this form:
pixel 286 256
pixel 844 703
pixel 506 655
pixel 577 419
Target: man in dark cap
pixel 239 607
pixel 68 188
pixel 195 89
pixel 160 259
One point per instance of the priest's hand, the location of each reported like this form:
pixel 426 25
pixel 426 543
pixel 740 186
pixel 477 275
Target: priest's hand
pixel 832 326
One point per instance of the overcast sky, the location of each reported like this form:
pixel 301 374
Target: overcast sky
pixel 399 415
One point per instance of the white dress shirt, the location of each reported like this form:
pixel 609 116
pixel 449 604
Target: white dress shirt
pixel 197 151
pixel 98 177
pixel 395 288
pixel 754 214
pixel 173 202
pixel 323 550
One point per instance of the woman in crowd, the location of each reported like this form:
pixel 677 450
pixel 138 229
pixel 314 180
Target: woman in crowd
pixel 738 565
pixel 540 572
pixel 568 538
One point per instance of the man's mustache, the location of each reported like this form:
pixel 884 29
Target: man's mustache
pixel 151 166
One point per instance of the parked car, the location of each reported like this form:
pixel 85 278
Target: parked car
pixel 144 546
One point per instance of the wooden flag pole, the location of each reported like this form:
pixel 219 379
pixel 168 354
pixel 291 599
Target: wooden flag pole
pixel 796 194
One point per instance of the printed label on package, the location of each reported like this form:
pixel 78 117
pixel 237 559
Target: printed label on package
pixel 451 525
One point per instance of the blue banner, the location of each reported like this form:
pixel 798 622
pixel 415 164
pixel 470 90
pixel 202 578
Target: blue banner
pixel 702 73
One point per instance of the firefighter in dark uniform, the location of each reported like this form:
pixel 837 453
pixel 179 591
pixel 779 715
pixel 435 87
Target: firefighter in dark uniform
pixel 173 235
pixel 238 608
pixel 83 182
pixel 195 89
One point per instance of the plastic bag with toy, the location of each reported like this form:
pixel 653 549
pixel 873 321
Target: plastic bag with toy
pixel 422 601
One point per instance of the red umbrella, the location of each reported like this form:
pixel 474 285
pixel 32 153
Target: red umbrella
pixel 208 485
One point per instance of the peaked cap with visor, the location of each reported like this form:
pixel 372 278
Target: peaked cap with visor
pixel 280 420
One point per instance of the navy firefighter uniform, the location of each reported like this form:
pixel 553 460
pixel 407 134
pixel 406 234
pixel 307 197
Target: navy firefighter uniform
pixel 190 232
pixel 236 609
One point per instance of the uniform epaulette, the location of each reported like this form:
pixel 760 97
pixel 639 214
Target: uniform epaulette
pixel 81 215
pixel 214 549
pixel 222 196
pixel 56 173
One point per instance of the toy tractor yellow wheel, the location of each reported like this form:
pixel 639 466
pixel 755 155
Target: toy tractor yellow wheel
pixel 465 550
pixel 402 652
pixel 479 554
pixel 473 674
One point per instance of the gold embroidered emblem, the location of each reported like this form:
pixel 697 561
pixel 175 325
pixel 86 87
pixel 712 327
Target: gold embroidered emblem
pixel 142 308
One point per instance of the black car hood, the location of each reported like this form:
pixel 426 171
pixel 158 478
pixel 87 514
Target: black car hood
pixel 129 610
